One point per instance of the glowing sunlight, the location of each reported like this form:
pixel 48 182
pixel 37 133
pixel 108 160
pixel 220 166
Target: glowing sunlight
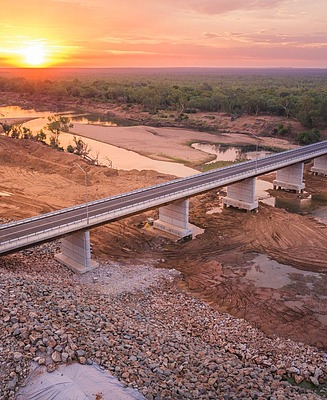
pixel 35 55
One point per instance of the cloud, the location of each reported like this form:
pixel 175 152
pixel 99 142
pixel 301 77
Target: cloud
pixel 262 38
pixel 226 6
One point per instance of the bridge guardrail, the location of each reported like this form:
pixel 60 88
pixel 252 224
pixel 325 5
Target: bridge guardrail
pixel 81 206
pixel 80 223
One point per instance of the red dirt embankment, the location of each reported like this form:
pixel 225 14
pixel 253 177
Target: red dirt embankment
pixel 37 179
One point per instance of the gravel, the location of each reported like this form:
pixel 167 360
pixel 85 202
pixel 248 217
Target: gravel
pixel 135 322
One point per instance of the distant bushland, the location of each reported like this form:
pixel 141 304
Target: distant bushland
pixel 291 93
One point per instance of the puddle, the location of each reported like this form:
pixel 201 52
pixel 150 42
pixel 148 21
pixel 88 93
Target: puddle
pixel 315 205
pixel 267 273
pixel 321 214
pixel 99 119
pixel 231 153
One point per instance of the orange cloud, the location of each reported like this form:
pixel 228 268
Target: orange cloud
pixel 167 32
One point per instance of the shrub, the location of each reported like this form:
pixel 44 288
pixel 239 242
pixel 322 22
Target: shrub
pixel 307 137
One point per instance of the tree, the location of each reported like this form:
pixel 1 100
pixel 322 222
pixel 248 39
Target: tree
pixel 6 128
pixel 309 137
pixel 308 113
pixel 56 125
pixel 41 136
pixel 81 148
pixel 27 133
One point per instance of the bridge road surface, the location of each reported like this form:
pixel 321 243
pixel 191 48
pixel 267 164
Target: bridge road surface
pixel 45 227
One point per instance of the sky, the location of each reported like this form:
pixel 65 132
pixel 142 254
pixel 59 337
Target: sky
pixel 163 33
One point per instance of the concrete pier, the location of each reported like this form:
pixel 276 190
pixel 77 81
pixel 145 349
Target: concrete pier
pixel 290 178
pixel 241 195
pixel 320 165
pixel 173 218
pixel 76 252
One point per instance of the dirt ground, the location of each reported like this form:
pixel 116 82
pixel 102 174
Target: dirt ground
pixel 36 179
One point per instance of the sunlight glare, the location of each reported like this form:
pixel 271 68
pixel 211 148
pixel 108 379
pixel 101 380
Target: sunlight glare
pixel 34 55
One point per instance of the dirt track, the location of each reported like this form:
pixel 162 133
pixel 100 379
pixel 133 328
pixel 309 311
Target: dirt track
pixel 213 266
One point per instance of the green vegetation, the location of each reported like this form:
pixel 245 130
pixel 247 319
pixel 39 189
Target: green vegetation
pixel 217 164
pixel 56 125
pixel 296 94
pixel 308 137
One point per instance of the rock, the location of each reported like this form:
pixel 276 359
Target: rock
pixel 51 368
pixel 314 381
pixel 82 360
pixel 17 356
pixel 298 379
pixel 318 372
pixel 160 340
pixel 56 357
pixel 80 353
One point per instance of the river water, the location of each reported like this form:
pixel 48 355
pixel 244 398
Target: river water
pixel 106 154
pixel 231 153
pixel 125 159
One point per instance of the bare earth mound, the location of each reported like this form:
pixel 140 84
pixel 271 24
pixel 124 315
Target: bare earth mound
pixel 36 179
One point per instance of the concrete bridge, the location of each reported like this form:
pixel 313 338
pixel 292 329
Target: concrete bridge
pixel 73 224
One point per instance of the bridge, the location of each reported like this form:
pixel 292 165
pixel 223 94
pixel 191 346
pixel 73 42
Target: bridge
pixel 73 224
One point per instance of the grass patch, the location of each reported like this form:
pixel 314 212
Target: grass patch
pixel 218 164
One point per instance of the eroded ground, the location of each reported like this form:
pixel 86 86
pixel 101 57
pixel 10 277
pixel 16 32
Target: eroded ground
pixel 36 179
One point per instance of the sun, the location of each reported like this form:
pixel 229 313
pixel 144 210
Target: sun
pixel 35 55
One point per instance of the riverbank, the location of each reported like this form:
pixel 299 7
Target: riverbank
pixel 37 179
pixel 153 336
pixel 166 139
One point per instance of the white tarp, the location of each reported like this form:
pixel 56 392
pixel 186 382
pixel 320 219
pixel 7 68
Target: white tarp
pixel 75 382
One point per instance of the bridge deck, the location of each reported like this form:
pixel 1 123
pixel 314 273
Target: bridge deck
pixel 57 224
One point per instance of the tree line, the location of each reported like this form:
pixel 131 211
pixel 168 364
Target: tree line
pixel 298 96
pixel 302 97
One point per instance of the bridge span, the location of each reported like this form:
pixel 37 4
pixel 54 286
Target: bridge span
pixel 73 223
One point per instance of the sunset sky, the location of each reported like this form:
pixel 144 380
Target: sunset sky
pixel 163 33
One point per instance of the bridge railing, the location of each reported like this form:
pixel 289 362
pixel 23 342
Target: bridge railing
pixel 312 154
pixel 88 221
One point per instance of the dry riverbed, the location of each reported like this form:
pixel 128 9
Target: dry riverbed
pixel 164 332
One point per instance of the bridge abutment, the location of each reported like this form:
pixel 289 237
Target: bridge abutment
pixel 76 252
pixel 290 178
pixel 173 218
pixel 241 195
pixel 320 165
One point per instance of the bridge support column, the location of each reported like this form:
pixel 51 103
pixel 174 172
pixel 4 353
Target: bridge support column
pixel 320 165
pixel 241 195
pixel 290 178
pixel 76 252
pixel 173 218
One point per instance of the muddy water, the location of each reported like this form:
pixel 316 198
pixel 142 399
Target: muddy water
pixel 17 112
pixel 267 273
pixel 125 159
pixel 117 157
pixel 230 153
pixel 105 153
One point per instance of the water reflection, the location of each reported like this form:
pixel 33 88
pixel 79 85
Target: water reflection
pixel 315 205
pixel 117 157
pixel 100 119
pixel 267 273
pixel 92 120
pixel 231 153
pixel 18 112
